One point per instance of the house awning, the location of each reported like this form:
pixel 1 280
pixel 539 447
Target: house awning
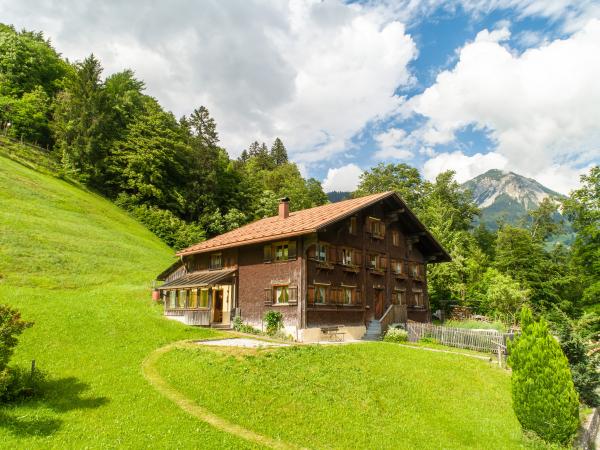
pixel 198 279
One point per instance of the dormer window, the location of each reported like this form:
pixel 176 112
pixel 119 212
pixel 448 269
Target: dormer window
pixel 216 261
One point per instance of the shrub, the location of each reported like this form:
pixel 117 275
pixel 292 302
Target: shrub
pixel 274 321
pixel 396 335
pixel 240 326
pixel 544 397
pixel 16 383
pixel 11 325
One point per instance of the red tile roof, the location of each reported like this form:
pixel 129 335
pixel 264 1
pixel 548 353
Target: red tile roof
pixel 298 223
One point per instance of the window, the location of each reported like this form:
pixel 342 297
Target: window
pixel 320 294
pixel 203 298
pixel 347 296
pixel 373 261
pixel 182 297
pixel 396 238
pixel 397 266
pixel 416 270
pixel 281 294
pixel 173 299
pixel 216 261
pixel 376 227
pixel 352 227
pixel 347 256
pixel 281 252
pixel 418 298
pixel 321 252
pixel 193 301
pixel 399 297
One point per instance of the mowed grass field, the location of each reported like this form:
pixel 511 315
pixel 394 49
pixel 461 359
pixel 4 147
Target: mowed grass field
pixel 81 269
pixel 361 396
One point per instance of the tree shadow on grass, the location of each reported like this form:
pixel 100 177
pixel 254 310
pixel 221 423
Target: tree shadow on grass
pixel 57 395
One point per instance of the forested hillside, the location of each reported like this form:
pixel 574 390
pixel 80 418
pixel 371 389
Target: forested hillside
pixel 107 133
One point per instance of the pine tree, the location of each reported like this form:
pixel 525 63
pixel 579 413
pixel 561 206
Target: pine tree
pixel 278 152
pixel 544 397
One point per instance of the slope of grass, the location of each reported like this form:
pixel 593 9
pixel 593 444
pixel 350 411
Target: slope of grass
pixel 81 269
pixel 353 396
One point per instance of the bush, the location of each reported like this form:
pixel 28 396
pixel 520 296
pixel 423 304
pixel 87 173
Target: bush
pixel 11 325
pixel 544 397
pixel 396 335
pixel 16 383
pixel 240 326
pixel 274 321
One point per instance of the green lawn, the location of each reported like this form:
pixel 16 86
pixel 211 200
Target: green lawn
pixel 375 395
pixel 81 269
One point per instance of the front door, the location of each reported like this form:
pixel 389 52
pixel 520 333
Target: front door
pixel 218 306
pixel 378 300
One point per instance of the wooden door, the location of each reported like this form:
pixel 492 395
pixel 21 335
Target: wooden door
pixel 378 303
pixel 218 306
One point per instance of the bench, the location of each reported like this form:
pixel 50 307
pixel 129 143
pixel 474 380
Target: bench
pixel 333 333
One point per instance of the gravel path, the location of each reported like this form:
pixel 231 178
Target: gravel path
pixel 241 342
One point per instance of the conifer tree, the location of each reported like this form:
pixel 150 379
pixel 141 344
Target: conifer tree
pixel 278 152
pixel 544 397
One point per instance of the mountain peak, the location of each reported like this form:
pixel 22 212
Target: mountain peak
pixel 507 195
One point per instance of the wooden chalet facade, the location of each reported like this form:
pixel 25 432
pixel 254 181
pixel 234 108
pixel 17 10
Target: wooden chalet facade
pixel 342 264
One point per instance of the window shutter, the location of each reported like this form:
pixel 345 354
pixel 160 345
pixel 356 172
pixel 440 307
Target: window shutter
pixel 311 252
pixel 292 249
pixel 382 228
pixel 293 294
pixel 383 262
pixel 357 257
pixel 310 295
pixel 267 253
pixel 356 299
pixel 268 296
pixel 339 296
pixel 332 257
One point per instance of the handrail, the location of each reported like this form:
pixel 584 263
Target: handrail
pixel 387 311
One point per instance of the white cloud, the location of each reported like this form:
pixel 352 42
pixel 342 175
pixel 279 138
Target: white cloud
pixel 392 145
pixel 343 178
pixel 313 73
pixel 541 107
pixel 466 167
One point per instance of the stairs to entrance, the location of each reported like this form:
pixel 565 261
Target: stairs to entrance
pixel 373 331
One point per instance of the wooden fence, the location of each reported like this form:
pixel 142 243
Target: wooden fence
pixel 491 341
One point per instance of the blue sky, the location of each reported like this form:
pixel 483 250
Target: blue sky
pixel 466 85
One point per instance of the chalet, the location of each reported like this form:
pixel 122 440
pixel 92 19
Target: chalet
pixel 343 265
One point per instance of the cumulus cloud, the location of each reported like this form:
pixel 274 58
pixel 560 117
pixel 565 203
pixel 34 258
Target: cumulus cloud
pixel 540 107
pixel 392 144
pixel 313 73
pixel 466 167
pixel 344 178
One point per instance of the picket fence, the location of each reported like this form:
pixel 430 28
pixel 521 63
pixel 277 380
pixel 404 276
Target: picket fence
pixel 491 341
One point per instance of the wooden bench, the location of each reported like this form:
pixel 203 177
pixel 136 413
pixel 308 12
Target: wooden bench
pixel 333 333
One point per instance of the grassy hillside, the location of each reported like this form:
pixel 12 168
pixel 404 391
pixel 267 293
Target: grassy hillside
pixel 81 269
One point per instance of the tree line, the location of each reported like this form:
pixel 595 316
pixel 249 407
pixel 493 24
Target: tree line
pixel 170 173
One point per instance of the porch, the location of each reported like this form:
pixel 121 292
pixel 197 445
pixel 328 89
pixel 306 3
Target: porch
pixel 203 298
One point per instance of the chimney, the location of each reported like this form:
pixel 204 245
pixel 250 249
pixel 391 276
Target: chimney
pixel 284 208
